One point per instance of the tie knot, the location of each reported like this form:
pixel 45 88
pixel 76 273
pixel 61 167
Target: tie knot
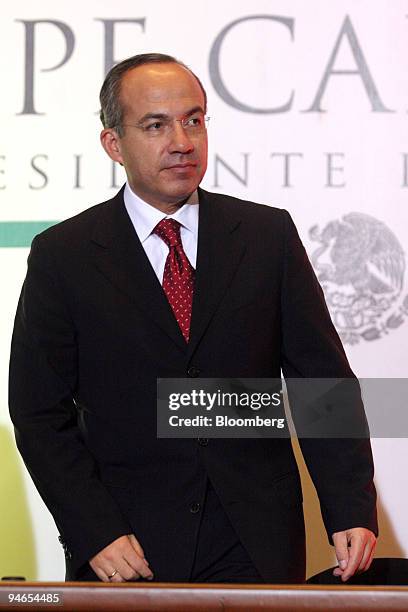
pixel 169 231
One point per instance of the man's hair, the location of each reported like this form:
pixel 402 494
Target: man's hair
pixel 111 113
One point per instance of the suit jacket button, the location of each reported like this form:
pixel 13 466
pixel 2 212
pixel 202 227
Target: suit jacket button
pixel 203 441
pixel 194 508
pixel 193 371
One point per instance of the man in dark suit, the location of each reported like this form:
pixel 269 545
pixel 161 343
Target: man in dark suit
pixel 95 328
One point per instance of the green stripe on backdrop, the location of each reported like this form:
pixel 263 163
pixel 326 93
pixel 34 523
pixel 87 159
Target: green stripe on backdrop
pixel 21 233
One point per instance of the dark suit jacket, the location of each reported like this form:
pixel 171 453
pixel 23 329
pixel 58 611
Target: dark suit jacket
pixel 94 330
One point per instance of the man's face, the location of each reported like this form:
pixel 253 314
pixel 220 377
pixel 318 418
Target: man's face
pixel 164 160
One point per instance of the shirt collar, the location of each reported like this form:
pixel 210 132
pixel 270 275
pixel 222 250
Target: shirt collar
pixel 145 217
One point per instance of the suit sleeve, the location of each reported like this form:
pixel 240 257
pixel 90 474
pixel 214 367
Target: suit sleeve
pixel 341 468
pixel 42 383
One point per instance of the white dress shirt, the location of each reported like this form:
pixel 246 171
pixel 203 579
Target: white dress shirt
pixel 145 218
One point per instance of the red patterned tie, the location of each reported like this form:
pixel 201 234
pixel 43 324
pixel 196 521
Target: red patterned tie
pixel 178 277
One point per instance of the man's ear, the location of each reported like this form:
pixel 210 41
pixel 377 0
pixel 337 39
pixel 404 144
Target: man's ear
pixel 111 143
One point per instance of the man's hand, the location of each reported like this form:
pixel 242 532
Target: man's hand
pixel 124 558
pixel 354 551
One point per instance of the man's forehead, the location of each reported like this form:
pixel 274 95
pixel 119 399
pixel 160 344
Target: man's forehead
pixel 155 82
pixel 168 89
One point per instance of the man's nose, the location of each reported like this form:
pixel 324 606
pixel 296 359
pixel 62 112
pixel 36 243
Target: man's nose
pixel 180 141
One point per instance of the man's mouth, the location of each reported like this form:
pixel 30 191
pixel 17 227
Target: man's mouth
pixel 181 166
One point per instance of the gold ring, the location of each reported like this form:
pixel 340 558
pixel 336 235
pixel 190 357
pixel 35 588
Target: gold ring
pixel 113 574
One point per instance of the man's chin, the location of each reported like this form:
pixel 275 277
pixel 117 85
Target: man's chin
pixel 180 198
pixel 180 191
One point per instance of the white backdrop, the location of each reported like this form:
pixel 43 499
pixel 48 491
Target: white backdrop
pixel 308 105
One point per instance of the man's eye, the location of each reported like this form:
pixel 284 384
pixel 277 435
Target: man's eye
pixel 153 127
pixel 194 122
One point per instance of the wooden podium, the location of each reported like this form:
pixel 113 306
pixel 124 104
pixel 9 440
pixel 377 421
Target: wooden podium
pixel 171 597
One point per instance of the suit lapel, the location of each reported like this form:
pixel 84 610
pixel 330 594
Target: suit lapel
pixel 220 250
pixel 120 257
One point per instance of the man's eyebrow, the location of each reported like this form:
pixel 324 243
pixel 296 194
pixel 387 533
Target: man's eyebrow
pixel 196 109
pixel 150 116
